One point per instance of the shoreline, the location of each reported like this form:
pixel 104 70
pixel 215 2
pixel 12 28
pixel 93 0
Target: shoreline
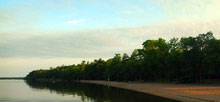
pixel 179 92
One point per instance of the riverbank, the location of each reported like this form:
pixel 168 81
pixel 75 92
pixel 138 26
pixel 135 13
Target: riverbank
pixel 181 92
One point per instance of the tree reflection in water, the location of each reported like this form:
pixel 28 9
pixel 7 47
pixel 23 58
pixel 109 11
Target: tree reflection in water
pixel 96 93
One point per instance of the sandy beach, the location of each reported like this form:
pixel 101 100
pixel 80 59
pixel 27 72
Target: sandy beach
pixel 181 92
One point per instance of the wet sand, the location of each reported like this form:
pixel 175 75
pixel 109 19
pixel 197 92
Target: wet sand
pixel 181 92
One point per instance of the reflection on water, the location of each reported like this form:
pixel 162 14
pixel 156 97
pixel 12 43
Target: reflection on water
pixel 96 93
pixel 21 91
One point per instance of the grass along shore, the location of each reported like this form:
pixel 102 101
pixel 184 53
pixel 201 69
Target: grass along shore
pixel 181 92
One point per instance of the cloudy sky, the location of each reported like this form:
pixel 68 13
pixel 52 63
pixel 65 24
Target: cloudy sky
pixel 38 34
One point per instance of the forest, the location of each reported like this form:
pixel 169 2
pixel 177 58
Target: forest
pixel 184 60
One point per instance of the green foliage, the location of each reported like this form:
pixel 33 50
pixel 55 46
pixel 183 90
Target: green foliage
pixel 189 59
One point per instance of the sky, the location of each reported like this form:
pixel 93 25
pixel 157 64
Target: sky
pixel 39 34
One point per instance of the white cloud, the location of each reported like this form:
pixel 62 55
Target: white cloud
pixel 100 42
pixel 21 66
pixel 175 29
pixel 191 10
pixel 75 21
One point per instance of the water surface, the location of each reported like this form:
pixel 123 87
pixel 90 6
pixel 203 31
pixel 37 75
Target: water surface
pixel 21 91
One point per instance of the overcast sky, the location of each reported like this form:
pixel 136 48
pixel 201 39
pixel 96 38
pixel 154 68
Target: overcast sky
pixel 38 34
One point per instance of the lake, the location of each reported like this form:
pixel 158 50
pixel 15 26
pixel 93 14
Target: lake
pixel 22 91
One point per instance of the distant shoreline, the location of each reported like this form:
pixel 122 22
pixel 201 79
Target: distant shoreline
pixel 11 78
pixel 179 92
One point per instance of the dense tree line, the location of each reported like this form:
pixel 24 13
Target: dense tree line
pixel 188 59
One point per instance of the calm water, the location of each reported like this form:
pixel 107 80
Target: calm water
pixel 21 91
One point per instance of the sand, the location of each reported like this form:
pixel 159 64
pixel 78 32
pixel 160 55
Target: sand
pixel 181 92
